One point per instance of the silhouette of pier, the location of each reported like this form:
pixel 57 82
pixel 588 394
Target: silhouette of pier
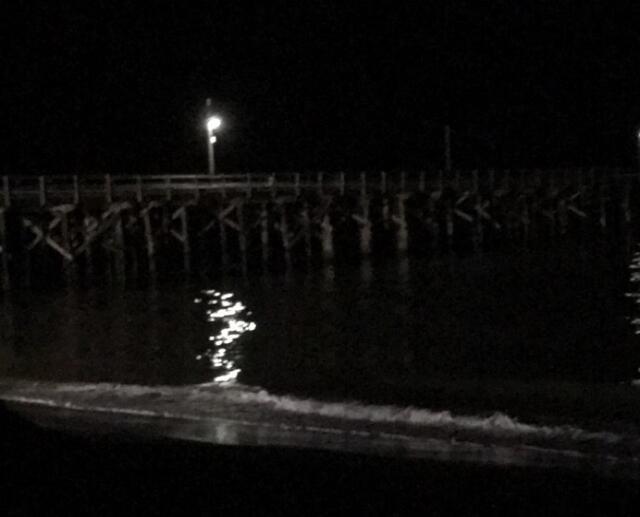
pixel 133 225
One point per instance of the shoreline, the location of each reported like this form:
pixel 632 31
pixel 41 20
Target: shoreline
pixel 52 469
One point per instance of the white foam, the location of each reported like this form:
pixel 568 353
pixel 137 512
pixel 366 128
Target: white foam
pixel 237 402
pixel 496 424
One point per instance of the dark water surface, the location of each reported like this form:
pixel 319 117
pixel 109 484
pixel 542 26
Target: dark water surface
pixel 557 315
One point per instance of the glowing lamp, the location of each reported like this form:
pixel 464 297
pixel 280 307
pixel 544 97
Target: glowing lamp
pixel 213 123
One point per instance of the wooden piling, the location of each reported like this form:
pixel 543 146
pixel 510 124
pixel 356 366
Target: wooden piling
pixel 302 211
pixel 449 224
pixel 305 224
pixel 264 233
pixel 76 190
pixel 108 194
pixel 284 233
pixel 365 226
pixel 186 242
pixel 42 190
pixel 118 249
pixel 402 235
pixel 327 237
pixel 69 258
pixel 149 240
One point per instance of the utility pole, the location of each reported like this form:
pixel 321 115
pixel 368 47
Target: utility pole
pixel 210 143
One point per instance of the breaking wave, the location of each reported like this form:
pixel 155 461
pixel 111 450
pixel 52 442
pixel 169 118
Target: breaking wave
pixel 246 413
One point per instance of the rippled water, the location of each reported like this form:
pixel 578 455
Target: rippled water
pixel 556 315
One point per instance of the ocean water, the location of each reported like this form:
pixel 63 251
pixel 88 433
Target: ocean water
pixel 524 351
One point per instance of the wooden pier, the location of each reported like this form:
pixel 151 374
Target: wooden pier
pixel 129 226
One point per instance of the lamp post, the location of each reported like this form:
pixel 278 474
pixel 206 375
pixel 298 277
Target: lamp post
pixel 213 123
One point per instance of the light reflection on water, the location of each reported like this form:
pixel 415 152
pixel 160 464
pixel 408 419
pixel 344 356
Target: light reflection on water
pixel 228 319
pixel 537 315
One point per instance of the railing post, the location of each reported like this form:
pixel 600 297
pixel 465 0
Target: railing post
pixel 296 186
pixel 167 186
pixel 196 189
pixel 76 190
pixel 248 185
pixel 107 188
pixel 42 190
pixel 139 189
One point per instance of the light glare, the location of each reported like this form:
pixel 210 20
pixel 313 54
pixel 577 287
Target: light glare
pixel 213 123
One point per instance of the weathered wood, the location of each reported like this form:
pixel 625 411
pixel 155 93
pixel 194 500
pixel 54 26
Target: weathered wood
pixel 89 225
pixel 149 239
pixel 42 190
pixel 305 224
pixel 283 227
pixel 168 190
pixel 181 234
pixel 139 194
pixel 400 218
pixel 264 233
pixel 118 249
pixel 327 237
pixel 364 224
pixel 305 209
pixel 108 192
pixel 76 190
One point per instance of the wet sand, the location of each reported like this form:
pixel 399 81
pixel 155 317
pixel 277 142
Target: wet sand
pixel 58 472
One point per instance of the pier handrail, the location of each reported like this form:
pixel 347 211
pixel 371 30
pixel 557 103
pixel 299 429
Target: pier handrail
pixel 74 186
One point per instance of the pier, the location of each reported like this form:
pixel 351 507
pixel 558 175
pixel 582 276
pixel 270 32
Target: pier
pixel 129 226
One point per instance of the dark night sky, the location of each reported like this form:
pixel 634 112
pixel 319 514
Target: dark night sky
pixel 318 85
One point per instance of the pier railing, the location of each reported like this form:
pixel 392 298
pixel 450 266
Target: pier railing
pixel 73 188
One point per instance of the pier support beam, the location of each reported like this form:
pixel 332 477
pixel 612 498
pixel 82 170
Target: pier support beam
pixel 305 228
pixel 149 238
pixel 400 219
pixel 264 233
pixel 182 235
pixel 283 227
pixel 327 238
pixel 364 224
pixel 118 249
